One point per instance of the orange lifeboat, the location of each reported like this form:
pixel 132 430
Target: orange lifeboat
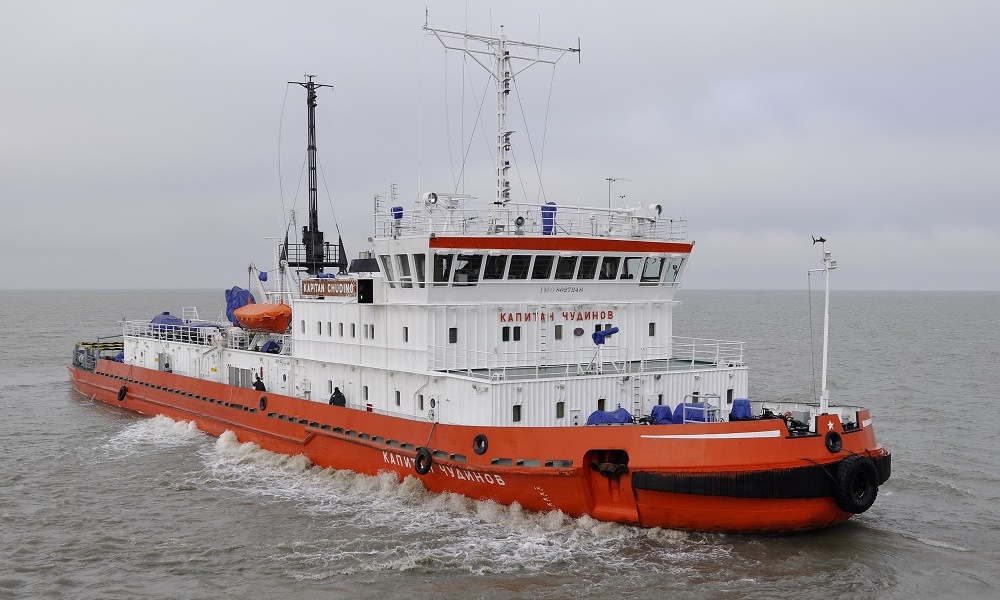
pixel 268 317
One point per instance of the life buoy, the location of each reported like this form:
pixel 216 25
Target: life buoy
pixel 834 443
pixel 263 402
pixel 856 484
pixel 422 462
pixel 122 391
pixel 480 444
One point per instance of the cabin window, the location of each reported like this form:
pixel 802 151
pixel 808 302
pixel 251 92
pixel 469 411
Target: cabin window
pixel 329 329
pixel 364 392
pixel 340 329
pixel 505 334
pixel 517 333
pixel 566 267
pixel 560 410
pixel 319 327
pixel 453 335
pixel 329 386
pixel 406 334
pixel 442 269
pixel 652 270
pixel 652 329
pixel 420 401
pixel 729 396
pixel 419 264
pixel 543 267
pixel 405 278
pixel 558 332
pixel 630 268
pixel 609 267
pixel 303 323
pixel 519 266
pixel 588 267
pixel 353 330
pixel 390 278
pixel 496 265
pixel 467 269
pixel 597 328
pixel 600 403
pixel 516 415
pixel 397 398
pixel 673 269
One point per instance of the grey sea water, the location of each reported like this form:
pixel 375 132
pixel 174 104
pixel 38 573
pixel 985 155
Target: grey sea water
pixel 99 503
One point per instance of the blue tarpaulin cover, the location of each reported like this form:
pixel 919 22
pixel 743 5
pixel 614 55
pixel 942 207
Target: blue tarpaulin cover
pixel 236 298
pixel 662 415
pixel 741 410
pixel 601 417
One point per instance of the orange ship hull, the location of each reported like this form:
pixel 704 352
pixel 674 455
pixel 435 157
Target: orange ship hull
pixel 748 476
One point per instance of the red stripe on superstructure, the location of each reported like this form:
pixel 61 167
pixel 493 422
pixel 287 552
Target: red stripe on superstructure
pixel 558 243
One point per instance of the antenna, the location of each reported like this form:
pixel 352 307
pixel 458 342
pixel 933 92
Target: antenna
pixel 611 180
pixel 500 66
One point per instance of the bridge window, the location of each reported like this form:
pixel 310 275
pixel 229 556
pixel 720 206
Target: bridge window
pixel 560 410
pixel 406 334
pixel 673 269
pixel 558 332
pixel 652 270
pixel 340 329
pixel 303 323
pixel 354 330
pixel 467 269
pixel 609 267
pixel 588 267
pixel 442 269
pixel 505 334
pixel 405 278
pixel 397 398
pixel 516 415
pixel 495 266
pixel 631 267
pixel 419 268
pixel 566 267
pixel 519 266
pixel 453 335
pixel 652 329
pixel 517 333
pixel 319 327
pixel 390 278
pixel 543 267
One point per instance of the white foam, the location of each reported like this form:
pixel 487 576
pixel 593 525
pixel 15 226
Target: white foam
pixel 379 523
pixel 158 432
pixel 940 544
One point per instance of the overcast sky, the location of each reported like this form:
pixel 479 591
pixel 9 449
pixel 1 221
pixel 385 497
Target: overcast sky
pixel 157 144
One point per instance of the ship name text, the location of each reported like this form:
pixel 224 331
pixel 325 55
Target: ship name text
pixel 398 460
pixel 567 315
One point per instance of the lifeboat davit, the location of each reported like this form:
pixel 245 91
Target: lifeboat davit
pixel 268 317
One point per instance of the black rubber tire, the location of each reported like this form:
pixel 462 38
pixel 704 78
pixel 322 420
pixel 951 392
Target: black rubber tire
pixel 480 444
pixel 423 461
pixel 856 484
pixel 834 443
pixel 263 402
pixel 122 391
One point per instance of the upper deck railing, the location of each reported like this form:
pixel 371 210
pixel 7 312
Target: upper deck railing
pixel 455 215
pixel 209 334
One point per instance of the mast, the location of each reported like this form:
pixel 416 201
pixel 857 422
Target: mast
pixel 500 68
pixel 316 254
pixel 828 265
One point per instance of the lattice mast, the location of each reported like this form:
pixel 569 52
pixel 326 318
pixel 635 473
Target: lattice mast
pixel 499 65
pixel 317 254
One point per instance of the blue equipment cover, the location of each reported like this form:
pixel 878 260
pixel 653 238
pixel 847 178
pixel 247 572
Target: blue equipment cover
pixel 662 415
pixel 548 218
pixel 601 417
pixel 237 298
pixel 271 347
pixel 741 410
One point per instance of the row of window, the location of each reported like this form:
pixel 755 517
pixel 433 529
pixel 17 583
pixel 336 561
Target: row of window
pixel 507 333
pixel 458 268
